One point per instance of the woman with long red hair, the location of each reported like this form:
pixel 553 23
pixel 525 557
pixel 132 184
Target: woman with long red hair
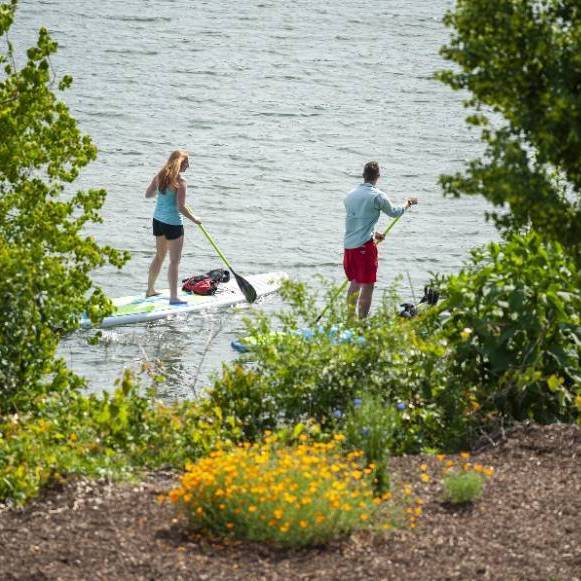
pixel 170 188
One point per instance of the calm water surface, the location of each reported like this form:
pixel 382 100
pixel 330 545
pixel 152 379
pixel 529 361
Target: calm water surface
pixel 280 104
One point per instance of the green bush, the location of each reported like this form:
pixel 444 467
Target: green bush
pixel 109 435
pixel 293 378
pixel 462 488
pixel 45 259
pixel 514 331
pixel 503 343
pixel 372 427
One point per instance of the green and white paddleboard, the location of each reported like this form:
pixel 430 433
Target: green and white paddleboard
pixel 138 309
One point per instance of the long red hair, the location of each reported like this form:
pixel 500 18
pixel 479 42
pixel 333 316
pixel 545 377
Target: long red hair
pixel 169 173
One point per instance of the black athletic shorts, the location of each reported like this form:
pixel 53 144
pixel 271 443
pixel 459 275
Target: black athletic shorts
pixel 170 231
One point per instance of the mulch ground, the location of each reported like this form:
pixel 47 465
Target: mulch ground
pixel 526 526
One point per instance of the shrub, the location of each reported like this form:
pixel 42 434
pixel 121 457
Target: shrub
pixel 372 427
pixel 107 435
pixel 293 378
pixel 513 330
pixel 462 488
pixel 45 260
pixel 503 344
pixel 293 496
pixel 463 481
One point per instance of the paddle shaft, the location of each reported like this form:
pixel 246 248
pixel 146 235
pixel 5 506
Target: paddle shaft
pixel 247 289
pixel 211 241
pixel 342 287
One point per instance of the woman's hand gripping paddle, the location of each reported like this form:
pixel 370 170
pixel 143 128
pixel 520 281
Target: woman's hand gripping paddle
pixel 343 286
pixel 247 289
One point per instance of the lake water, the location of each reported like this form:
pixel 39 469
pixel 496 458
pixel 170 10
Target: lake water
pixel 279 104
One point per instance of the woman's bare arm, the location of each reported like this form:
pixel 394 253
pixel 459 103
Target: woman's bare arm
pixel 151 188
pixel 181 202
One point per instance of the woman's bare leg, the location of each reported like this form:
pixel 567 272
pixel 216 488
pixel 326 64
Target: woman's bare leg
pixel 155 266
pixel 175 255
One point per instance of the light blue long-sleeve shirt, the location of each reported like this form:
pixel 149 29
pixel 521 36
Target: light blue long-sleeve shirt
pixel 364 205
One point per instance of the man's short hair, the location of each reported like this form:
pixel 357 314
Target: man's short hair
pixel 371 171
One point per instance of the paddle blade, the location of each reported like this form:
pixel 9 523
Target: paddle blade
pixel 247 289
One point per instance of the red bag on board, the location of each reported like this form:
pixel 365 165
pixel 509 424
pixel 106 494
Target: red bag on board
pixel 205 286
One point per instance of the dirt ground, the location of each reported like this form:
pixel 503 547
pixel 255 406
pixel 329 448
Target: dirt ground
pixel 526 526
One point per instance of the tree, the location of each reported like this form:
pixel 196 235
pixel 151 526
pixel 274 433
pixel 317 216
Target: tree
pixel 45 259
pixel 521 60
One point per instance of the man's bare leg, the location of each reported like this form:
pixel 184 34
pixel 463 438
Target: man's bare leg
pixel 352 298
pixel 365 299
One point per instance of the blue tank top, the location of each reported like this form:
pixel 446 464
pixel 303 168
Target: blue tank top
pixel 166 209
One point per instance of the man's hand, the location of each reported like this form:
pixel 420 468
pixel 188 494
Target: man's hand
pixel 411 202
pixel 379 237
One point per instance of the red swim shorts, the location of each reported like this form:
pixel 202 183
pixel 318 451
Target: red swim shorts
pixel 361 263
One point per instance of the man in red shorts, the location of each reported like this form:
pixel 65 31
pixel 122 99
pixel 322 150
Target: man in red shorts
pixel 364 205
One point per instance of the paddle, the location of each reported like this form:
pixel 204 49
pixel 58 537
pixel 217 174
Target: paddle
pixel 342 287
pixel 247 289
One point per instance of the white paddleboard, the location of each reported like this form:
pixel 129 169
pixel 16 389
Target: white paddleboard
pixel 139 309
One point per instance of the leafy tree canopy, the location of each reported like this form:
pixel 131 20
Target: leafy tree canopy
pixel 522 59
pixel 45 259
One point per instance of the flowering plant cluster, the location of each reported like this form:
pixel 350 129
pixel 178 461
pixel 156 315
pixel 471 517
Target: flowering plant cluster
pixel 372 426
pixel 291 495
pixel 463 481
